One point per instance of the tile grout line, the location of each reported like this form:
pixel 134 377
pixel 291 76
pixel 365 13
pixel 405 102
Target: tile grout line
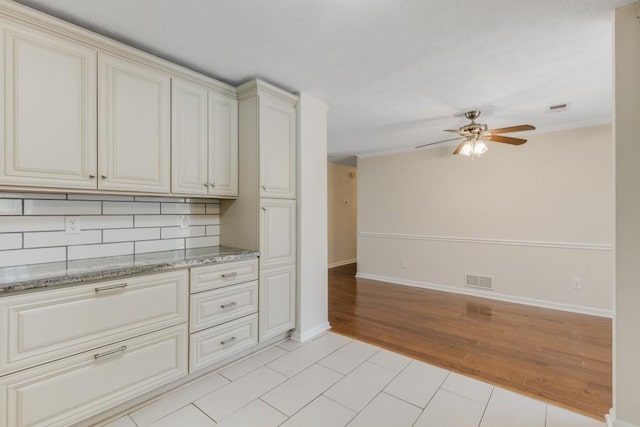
pixel 486 407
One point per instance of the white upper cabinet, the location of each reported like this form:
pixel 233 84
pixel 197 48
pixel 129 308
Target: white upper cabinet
pixel 189 139
pixel 134 126
pixel 278 232
pixel 223 145
pixel 277 149
pixel 48 94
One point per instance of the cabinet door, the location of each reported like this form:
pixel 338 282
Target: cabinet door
pixel 134 126
pixel 277 232
pixel 277 149
pixel 189 143
pixel 49 103
pixel 223 145
pixel 110 311
pixel 216 344
pixel 69 390
pixel 277 303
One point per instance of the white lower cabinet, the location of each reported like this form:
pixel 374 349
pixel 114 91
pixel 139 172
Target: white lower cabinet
pixel 220 342
pixel 222 305
pixel 72 389
pixel 277 305
pixel 222 275
pixel 79 318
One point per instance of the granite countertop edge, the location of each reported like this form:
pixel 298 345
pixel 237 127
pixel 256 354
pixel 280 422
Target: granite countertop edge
pixel 114 267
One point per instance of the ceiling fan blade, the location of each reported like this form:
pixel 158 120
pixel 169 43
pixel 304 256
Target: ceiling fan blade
pixel 504 139
pixel 459 149
pixel 438 142
pixel 453 131
pixel 520 128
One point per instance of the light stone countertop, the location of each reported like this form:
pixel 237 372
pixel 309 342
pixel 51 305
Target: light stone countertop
pixel 56 274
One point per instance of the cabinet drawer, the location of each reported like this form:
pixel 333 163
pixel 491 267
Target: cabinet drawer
pixel 48 325
pixel 72 389
pixel 222 305
pixel 215 344
pixel 217 276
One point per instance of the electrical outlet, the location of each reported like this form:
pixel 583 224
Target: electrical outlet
pixel 72 225
pixel 184 221
pixel 404 263
pixel 576 283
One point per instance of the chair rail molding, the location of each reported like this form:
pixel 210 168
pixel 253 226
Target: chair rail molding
pixel 484 241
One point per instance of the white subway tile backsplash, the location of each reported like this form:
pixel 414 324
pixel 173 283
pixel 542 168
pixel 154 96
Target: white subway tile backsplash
pixel 32 256
pixel 159 199
pixel 204 219
pixel 10 207
pixel 105 222
pixel 10 241
pixel 202 242
pixel 32 196
pixel 130 234
pixel 213 230
pixel 130 208
pixel 183 208
pixel 176 232
pixel 159 245
pixel 213 209
pixel 60 238
pixel 98 251
pixel 32 226
pixel 157 220
pixel 62 207
pixel 10 224
pixel 100 197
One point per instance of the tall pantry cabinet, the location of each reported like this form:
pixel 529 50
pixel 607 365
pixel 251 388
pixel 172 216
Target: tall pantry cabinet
pixel 264 215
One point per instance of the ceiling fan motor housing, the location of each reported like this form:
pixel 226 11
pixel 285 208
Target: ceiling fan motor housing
pixel 472 115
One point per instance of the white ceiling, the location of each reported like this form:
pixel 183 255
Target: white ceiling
pixel 394 72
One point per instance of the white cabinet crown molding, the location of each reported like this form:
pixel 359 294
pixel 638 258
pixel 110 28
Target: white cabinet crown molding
pixel 257 87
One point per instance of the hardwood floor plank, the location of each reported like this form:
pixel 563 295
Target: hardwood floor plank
pixel 560 357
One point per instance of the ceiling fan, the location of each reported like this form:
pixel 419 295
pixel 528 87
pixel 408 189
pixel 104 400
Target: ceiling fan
pixel 474 134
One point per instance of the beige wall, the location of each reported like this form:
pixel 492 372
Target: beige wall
pixel 532 217
pixel 627 317
pixel 342 186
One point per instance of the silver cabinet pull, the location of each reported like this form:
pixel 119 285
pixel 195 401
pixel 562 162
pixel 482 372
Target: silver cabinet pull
pixel 92 175
pixel 110 352
pixel 264 187
pixel 213 184
pixel 205 184
pixel 104 176
pixel 111 287
pixel 226 275
pixel 228 341
pixel 231 304
pixel 264 208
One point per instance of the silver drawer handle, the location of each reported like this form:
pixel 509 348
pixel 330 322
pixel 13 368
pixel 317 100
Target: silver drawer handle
pixel 231 304
pixel 111 287
pixel 225 275
pixel 110 352
pixel 229 341
pixel 264 187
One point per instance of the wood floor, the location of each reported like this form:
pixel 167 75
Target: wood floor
pixel 560 357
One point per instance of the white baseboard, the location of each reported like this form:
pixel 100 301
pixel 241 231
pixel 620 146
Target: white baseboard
pixel 613 422
pixel 343 262
pixel 491 295
pixel 311 333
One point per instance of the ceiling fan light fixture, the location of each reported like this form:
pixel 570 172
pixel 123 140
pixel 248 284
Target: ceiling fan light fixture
pixel 474 148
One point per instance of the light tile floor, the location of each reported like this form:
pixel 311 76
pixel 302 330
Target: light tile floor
pixel 335 381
